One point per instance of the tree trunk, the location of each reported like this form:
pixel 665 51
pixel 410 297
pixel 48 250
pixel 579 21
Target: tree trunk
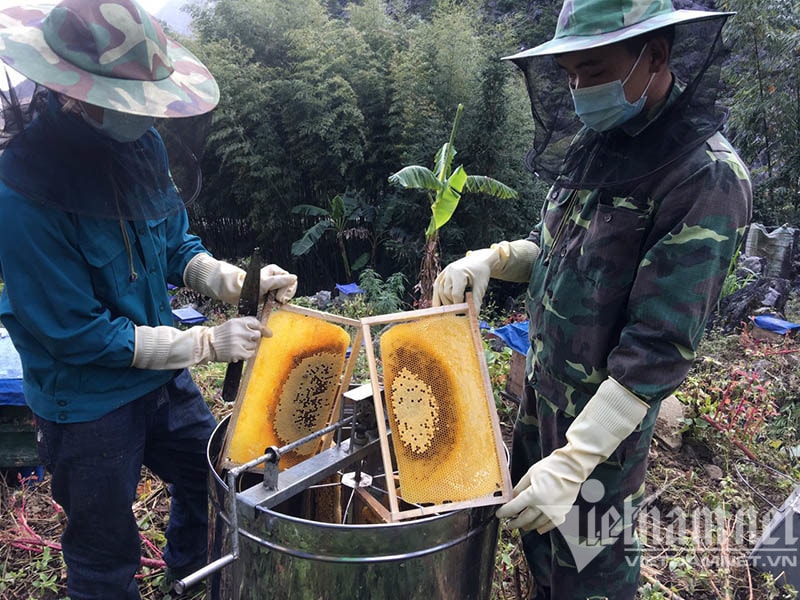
pixel 429 269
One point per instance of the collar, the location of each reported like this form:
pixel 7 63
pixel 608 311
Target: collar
pixel 643 120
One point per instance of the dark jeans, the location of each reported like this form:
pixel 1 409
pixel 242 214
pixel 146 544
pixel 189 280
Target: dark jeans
pixel 96 468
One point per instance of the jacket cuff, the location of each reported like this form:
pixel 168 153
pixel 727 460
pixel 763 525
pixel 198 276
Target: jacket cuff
pixel 214 278
pixel 615 408
pixel 515 260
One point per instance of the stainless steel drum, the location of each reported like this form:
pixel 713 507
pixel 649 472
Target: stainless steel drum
pixel 280 556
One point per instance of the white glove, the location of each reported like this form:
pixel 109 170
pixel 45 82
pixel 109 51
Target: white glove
pixel 509 261
pixel 167 348
pixel 222 281
pixel 547 492
pixel 283 282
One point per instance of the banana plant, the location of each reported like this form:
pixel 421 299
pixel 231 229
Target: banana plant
pixel 341 217
pixel 444 187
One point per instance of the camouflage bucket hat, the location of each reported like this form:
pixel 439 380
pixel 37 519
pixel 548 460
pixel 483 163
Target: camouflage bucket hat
pixel 110 53
pixel 585 24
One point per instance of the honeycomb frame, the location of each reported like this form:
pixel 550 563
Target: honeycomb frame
pixel 408 444
pixel 338 382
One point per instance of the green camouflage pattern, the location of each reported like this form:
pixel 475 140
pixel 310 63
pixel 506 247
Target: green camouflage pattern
pixel 626 278
pixel 586 557
pixel 596 17
pixel 625 283
pixel 110 53
pixel 584 24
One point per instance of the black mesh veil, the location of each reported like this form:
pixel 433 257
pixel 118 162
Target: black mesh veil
pixel 185 140
pixel 580 158
pixel 52 156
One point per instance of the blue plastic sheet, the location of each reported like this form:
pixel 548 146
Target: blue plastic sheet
pixel 10 373
pixel 515 336
pixel 774 324
pixel 349 288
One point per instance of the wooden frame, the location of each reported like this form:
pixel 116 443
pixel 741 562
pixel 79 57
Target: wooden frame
pixel 344 379
pixel 394 512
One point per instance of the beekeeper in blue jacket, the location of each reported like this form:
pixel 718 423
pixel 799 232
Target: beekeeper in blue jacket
pixel 92 228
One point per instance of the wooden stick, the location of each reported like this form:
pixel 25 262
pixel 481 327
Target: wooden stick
pixel 380 416
pixel 415 314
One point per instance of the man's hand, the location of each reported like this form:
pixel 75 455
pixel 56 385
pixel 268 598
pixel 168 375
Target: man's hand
pixel 547 492
pixel 283 282
pixel 236 339
pixel 167 348
pixel 223 281
pixel 472 271
pixel 509 261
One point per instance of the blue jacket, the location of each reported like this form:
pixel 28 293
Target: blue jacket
pixel 70 302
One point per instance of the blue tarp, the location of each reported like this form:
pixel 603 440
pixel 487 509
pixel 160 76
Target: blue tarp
pixel 10 373
pixel 188 315
pixel 11 394
pixel 515 335
pixel 774 324
pixel 349 288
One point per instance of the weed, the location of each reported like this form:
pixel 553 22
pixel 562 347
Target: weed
pixel 383 296
pixel 650 591
pixel 775 591
pixel 8 577
pixel 498 363
pixel 512 578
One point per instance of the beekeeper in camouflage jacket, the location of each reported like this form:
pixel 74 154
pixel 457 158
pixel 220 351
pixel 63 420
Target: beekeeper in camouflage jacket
pixel 92 228
pixel 648 205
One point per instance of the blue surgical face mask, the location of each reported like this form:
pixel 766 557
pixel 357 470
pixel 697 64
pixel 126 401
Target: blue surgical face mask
pixel 604 107
pixel 119 126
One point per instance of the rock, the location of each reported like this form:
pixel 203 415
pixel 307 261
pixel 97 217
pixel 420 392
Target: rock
pixel 322 299
pixel 768 295
pixel 774 244
pixel 669 423
pixel 714 472
pixel 749 266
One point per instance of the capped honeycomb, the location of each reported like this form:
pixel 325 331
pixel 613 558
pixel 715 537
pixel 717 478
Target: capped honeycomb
pixel 292 388
pixel 436 400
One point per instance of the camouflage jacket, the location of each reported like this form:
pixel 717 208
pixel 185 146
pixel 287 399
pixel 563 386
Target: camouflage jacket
pixel 625 281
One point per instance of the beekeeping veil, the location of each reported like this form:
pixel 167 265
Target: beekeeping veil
pixel 576 157
pixel 110 54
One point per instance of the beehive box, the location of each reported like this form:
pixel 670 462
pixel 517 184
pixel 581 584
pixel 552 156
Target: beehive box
pixel 17 437
pixel 17 429
pixel 515 384
pixel 445 433
pixel 291 388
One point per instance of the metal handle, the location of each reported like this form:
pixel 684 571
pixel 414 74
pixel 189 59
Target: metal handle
pixel 271 455
pixel 181 585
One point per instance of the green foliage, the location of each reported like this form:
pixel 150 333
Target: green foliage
pixel 444 187
pixel 498 363
pixel 319 97
pixel 342 217
pixel 651 591
pixel 45 569
pixel 512 576
pixel 776 591
pixel 383 296
pixel 764 77
pixel 290 127
pixel 740 397
pixel 733 282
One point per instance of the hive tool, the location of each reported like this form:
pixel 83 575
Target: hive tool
pixel 248 307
